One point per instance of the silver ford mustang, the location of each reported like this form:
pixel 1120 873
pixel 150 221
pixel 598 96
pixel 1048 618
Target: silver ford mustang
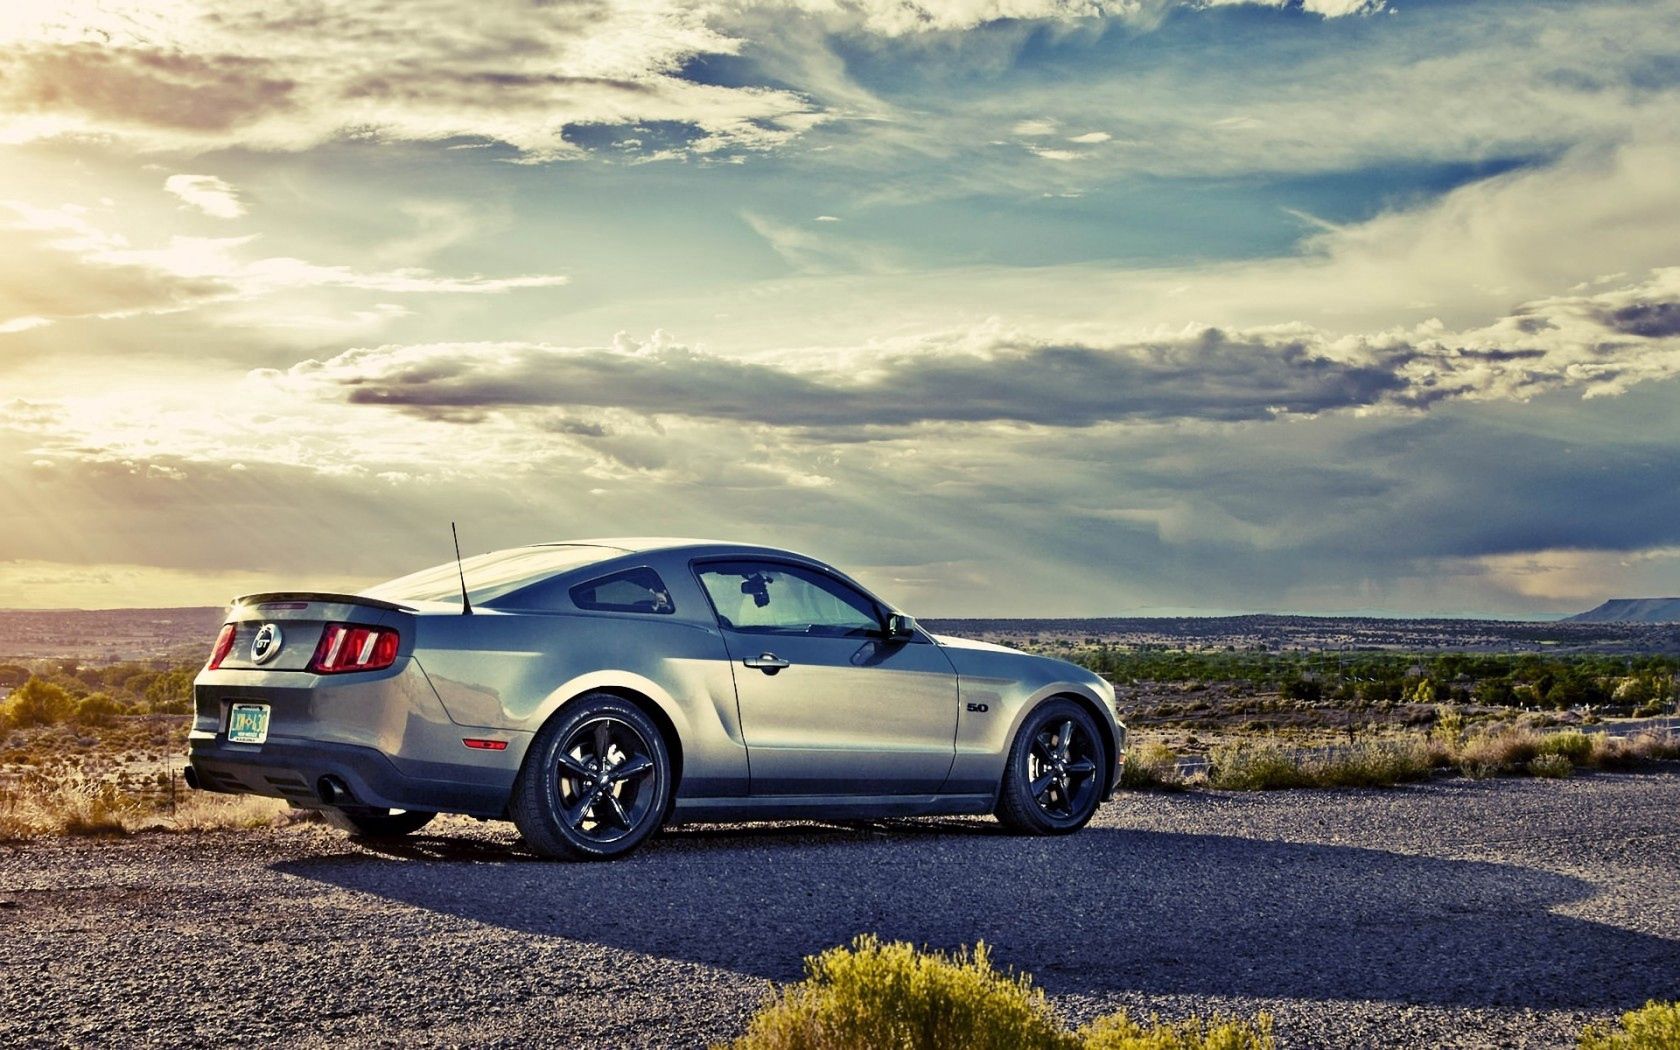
pixel 594 691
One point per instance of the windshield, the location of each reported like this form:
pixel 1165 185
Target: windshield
pixel 489 575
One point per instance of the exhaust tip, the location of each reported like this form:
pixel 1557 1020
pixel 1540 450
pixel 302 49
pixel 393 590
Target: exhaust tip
pixel 190 775
pixel 332 790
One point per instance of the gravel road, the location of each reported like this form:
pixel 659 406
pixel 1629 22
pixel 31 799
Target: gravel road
pixel 1457 913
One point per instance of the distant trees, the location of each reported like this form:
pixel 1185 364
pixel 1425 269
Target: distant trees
pixel 64 691
pixel 1643 683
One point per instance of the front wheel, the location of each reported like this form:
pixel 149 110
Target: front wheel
pixel 1052 782
pixel 596 782
pixel 368 823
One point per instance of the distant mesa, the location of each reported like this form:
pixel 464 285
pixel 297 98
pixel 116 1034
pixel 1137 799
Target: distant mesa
pixel 1631 610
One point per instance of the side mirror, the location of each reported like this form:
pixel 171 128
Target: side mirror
pixel 900 628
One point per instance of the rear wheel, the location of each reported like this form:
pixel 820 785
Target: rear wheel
pixel 368 823
pixel 1051 784
pixel 596 782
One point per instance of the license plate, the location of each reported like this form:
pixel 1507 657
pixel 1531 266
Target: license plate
pixel 247 723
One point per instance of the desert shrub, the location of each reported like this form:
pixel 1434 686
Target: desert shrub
pixel 1552 767
pixel 1377 764
pixel 1265 767
pixel 1655 1026
pixel 1120 1032
pixel 96 709
pixel 1152 765
pixel 1630 752
pixel 37 702
pixel 1572 745
pixel 1658 745
pixel 1449 727
pixel 875 996
pixel 1649 709
pixel 1256 767
pixel 1503 750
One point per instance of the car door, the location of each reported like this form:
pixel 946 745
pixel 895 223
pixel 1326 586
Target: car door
pixel 830 706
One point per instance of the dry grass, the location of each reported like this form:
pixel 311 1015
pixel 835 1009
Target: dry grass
pixel 65 801
pixel 1507 750
pixel 1267 767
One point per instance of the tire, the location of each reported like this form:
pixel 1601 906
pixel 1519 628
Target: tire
pixel 367 823
pixel 569 804
pixel 1052 782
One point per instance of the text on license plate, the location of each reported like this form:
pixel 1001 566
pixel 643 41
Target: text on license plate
pixel 247 723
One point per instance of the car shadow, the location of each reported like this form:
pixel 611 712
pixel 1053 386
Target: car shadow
pixel 1105 911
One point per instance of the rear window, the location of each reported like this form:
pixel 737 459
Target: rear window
pixel 492 575
pixel 635 590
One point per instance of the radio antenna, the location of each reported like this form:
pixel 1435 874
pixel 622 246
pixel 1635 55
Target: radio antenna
pixel 466 606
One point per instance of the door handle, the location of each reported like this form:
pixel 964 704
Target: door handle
pixel 769 663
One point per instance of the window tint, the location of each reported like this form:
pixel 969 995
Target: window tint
pixel 769 598
pixel 637 590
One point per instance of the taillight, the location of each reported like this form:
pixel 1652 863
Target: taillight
pixel 223 646
pixel 352 647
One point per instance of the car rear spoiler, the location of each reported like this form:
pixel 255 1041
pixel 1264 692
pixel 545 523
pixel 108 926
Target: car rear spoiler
pixel 268 597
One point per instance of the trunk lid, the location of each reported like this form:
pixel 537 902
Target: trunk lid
pixel 278 631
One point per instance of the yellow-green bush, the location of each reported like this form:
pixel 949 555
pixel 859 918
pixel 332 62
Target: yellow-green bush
pixel 1256 767
pixel 37 702
pixel 1120 1032
pixel 1655 1026
pixel 1551 767
pixel 1265 767
pixel 1378 764
pixel 1571 744
pixel 889 996
pixel 1152 765
pixel 875 996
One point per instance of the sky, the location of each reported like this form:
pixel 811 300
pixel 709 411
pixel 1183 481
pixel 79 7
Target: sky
pixel 1007 307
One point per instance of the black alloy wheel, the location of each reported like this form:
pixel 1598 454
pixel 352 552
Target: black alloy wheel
pixel 596 782
pixel 1052 783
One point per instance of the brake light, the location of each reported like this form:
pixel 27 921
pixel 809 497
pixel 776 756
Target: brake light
pixel 223 646
pixel 353 647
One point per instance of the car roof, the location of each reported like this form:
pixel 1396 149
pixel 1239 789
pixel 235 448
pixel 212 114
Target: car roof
pixel 646 544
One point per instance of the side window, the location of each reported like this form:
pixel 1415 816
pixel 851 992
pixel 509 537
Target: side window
pixel 634 590
pixel 770 598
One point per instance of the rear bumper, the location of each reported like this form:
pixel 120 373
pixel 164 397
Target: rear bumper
pixel 291 769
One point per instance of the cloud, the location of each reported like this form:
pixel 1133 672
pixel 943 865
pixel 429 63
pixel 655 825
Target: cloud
pixel 909 17
pixel 811 251
pixel 58 264
pixel 990 376
pixel 207 193
pixel 292 74
pixel 62 264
